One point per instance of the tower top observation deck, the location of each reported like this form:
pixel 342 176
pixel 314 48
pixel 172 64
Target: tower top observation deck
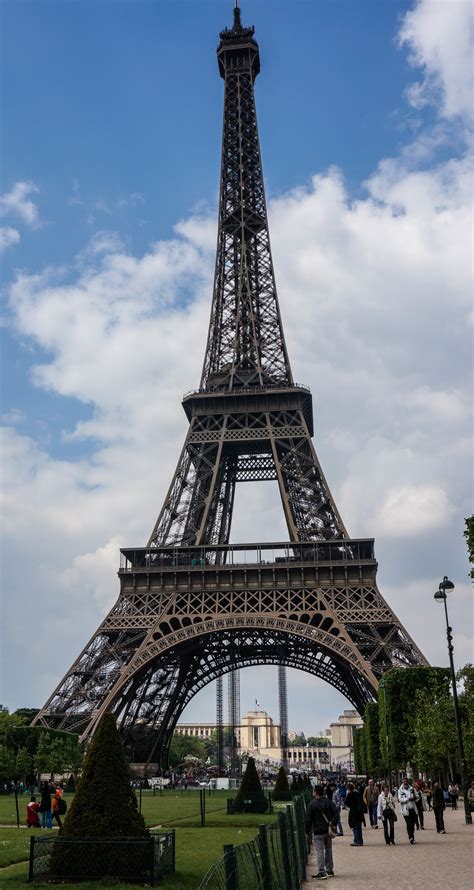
pixel 238 49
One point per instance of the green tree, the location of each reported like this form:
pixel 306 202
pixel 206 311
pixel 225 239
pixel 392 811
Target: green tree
pixel 434 729
pixel 183 746
pixel 105 805
pixel 317 741
pixel 282 788
pixel 397 710
pixel 7 763
pixel 23 764
pixel 469 535
pixel 372 738
pixel 250 796
pixel 43 754
pixel 27 714
pixel 465 677
pixel 360 752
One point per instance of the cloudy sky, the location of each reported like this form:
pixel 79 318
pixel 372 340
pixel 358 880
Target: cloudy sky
pixel 111 136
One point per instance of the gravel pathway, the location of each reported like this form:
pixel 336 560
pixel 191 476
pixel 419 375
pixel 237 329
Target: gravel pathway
pixel 434 861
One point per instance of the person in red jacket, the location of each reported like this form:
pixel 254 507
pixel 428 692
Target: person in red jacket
pixel 32 818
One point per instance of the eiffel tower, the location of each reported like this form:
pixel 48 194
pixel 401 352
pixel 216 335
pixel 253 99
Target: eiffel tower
pixel 191 606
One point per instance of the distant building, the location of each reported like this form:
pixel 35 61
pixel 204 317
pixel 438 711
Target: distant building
pixel 341 736
pixel 259 737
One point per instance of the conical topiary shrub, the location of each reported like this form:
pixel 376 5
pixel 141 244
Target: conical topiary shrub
pixel 104 807
pixel 282 788
pixel 250 796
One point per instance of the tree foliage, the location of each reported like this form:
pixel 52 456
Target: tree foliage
pixel 434 728
pixel 465 678
pixel 183 746
pixel 24 748
pixel 469 535
pixel 250 796
pixel 397 709
pixel 372 738
pixel 360 752
pixel 282 788
pixel 105 804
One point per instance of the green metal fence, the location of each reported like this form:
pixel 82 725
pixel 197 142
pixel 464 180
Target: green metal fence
pixel 142 860
pixel 274 860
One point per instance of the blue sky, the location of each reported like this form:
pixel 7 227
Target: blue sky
pixel 111 122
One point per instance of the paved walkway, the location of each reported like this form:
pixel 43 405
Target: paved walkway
pixel 434 861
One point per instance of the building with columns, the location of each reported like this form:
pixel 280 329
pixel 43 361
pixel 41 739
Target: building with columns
pixel 341 736
pixel 259 737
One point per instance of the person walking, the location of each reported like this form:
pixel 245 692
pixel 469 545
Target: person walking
pixel 438 804
pixel 428 794
pixel 408 796
pixel 342 794
pixel 470 797
pixel 386 812
pixel 322 818
pixel 356 815
pixel 55 801
pixel 371 795
pixel 421 805
pixel 45 806
pixel 452 795
pixel 336 799
pixel 32 809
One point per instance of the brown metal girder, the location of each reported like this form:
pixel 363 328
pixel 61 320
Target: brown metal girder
pixel 342 647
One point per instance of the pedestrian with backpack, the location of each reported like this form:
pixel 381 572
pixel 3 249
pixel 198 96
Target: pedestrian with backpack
pixel 322 818
pixel 59 806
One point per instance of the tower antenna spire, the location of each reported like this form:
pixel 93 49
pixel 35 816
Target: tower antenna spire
pixel 237 19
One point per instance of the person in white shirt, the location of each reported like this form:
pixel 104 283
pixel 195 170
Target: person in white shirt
pixel 386 812
pixel 408 796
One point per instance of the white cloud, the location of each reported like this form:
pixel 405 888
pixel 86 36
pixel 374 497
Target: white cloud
pixel 413 510
pixel 17 203
pixel 439 37
pixel 8 237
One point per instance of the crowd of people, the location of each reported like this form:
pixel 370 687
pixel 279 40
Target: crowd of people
pixel 372 804
pixel 52 805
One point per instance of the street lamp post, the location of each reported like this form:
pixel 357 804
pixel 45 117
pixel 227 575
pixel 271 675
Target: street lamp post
pixel 440 596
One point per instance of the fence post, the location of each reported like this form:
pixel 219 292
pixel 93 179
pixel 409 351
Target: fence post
pixel 17 810
pixel 300 833
pixel 32 856
pixel 282 820
pixel 202 801
pixel 229 867
pixel 263 846
pixel 152 864
pixel 173 849
pixel 294 851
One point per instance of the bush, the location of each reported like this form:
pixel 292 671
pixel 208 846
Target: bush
pixel 250 796
pixel 104 806
pixel 282 788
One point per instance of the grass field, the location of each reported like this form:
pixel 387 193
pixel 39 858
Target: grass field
pixel 196 848
pixel 161 809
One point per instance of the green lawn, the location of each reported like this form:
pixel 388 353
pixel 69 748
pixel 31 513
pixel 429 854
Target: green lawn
pixel 168 808
pixel 15 844
pixel 196 850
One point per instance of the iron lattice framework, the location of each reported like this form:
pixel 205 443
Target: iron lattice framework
pixel 191 607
